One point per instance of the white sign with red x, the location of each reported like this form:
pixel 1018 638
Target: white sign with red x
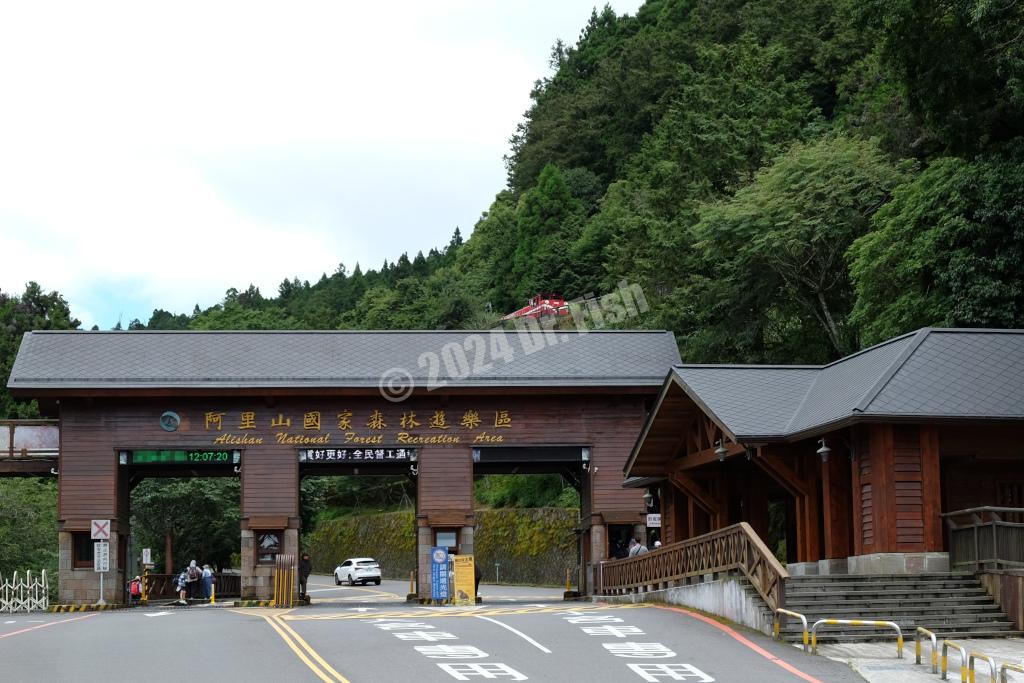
pixel 100 529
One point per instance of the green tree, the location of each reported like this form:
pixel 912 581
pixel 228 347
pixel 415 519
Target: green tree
pixel 200 515
pixel 28 527
pixel 788 231
pixel 33 310
pixel 947 251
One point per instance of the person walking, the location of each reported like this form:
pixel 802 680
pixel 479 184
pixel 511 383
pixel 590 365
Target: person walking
pixel 134 591
pixel 182 585
pixel 192 580
pixel 305 569
pixel 207 582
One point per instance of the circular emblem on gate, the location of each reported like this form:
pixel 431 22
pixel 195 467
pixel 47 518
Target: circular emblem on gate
pixel 169 421
pixel 439 556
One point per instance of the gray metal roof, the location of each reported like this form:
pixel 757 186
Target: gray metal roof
pixel 337 359
pixel 928 374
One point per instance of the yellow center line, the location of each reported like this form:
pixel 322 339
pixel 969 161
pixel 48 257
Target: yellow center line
pixel 309 649
pixel 324 671
pixel 305 660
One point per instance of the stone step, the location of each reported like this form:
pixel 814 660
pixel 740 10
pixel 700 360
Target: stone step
pixel 908 637
pixel 872 611
pixel 949 604
pixel 839 595
pixel 874 586
pixel 838 578
pixel 932 622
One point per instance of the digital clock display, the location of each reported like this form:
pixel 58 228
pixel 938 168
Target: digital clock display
pixel 181 457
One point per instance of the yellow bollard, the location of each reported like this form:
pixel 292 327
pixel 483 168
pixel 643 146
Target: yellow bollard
pixel 145 586
pixel 213 593
pixel 568 585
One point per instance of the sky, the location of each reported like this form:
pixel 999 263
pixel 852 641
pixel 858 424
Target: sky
pixel 153 155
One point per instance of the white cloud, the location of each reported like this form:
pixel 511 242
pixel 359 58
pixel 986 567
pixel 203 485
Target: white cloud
pixel 121 122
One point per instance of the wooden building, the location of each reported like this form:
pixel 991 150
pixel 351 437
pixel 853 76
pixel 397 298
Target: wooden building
pixel 848 467
pixel 273 407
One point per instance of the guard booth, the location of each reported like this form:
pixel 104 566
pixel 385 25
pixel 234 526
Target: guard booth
pixel 271 407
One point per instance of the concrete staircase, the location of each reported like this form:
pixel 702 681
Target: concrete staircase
pixel 951 605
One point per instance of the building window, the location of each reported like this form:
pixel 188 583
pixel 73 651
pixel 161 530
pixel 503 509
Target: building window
pixel 268 545
pixel 81 549
pixel 447 538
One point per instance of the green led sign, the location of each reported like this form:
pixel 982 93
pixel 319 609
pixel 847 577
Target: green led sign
pixel 180 457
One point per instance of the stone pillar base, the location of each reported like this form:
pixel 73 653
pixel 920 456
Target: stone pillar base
pixel 258 579
pixel 82 586
pixel 899 563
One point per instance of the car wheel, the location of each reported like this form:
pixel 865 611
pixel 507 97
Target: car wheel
pixel 376 582
pixel 337 581
pixel 351 581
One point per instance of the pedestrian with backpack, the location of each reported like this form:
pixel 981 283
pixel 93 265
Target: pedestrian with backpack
pixel 181 584
pixel 134 591
pixel 192 580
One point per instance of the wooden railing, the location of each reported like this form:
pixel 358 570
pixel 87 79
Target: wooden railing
pixel 986 538
pixel 29 438
pixel 161 586
pixel 733 549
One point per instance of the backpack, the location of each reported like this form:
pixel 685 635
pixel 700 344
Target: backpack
pixel 193 573
pixel 136 588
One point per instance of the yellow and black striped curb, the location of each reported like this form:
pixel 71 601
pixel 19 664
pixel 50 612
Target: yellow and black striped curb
pixel 85 608
pixel 254 603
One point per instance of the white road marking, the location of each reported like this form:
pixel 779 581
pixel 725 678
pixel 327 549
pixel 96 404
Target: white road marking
pixel 519 633
pixel 361 609
pixel 673 672
pixel 157 614
pixel 462 671
pixel 10 622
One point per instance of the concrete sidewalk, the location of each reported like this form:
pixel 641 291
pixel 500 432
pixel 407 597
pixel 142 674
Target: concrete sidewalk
pixel 877 662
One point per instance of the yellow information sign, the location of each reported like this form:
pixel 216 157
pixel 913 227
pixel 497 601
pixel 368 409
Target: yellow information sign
pixel 465 580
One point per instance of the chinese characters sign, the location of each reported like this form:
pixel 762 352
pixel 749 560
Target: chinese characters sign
pixel 357 455
pixel 371 427
pixel 439 573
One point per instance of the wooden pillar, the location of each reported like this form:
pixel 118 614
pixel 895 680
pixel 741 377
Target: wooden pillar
pixel 835 505
pixel 931 489
pixel 811 463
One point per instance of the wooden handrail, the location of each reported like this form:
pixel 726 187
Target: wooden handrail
pixel 730 549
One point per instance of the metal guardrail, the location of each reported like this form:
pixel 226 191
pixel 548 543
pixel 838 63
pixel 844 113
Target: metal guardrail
pixel 24 595
pixel 1009 667
pixel 857 622
pixel 946 644
pixel 918 632
pixel 777 625
pixel 990 538
pixel 733 548
pixel 991 665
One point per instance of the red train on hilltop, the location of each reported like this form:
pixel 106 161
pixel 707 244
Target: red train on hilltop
pixel 541 305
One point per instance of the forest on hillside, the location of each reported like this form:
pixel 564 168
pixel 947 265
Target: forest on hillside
pixel 787 182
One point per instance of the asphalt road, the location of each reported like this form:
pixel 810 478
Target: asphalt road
pixel 369 634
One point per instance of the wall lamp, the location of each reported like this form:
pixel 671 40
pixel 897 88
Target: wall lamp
pixel 585 454
pixel 720 451
pixel 648 498
pixel 824 450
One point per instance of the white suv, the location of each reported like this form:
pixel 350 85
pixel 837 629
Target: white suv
pixel 357 570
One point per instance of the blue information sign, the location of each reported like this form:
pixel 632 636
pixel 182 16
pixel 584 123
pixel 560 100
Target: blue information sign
pixel 439 573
